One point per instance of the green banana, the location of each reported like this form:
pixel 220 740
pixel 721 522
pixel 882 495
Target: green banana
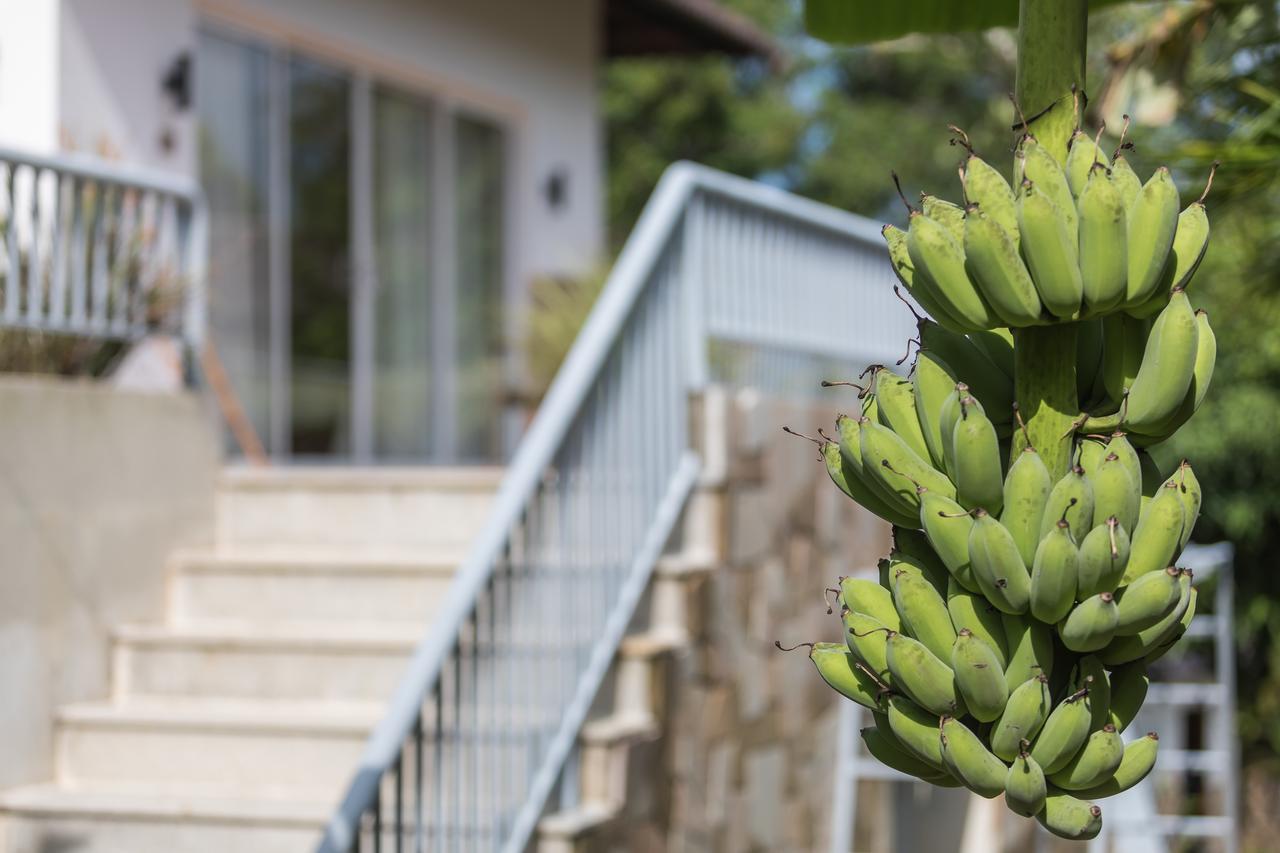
pixel 1168 366
pixel 1162 648
pixel 1201 377
pixel 1033 163
pixel 1123 342
pixel 994 264
pixel 1091 625
pixel 921 674
pixel 972 612
pixel 1129 684
pixel 1104 553
pixel 1156 539
pixel 1115 492
pixel 1025 712
pixel 1139 758
pixel 1146 601
pixel 1126 180
pixel 1152 224
pixel 1135 647
pixel 987 188
pixel 912 551
pixel 1090 670
pixel 1190 494
pixel 924 613
pixel 951 215
pixel 1089 363
pixel 997 566
pixel 891 754
pixel 1069 817
pixel 916 730
pixel 934 380
pixel 1070 499
pixel 867 596
pixel 895 468
pixel 1189 243
pixel 979 676
pixel 1084 160
pixel 947 526
pixel 1063 733
pixel 1120 446
pixel 1103 249
pixel 1026 492
pixel 938 256
pixel 922 290
pixel 897 408
pixel 1030 646
pixel 1054 575
pixel 985 379
pixel 967 759
pixel 866 638
pixel 1024 786
pixel 1096 761
pixel 974 462
pixel 840 669
pixel 884 502
pixel 1090 453
pixel 996 344
pixel 1049 246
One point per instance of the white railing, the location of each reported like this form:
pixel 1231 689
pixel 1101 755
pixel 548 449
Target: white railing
pixel 722 279
pixel 99 250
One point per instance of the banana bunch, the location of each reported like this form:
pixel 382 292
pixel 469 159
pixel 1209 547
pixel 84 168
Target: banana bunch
pixel 1059 245
pixel 1006 644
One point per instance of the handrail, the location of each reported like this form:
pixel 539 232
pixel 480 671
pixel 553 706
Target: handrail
pixel 640 301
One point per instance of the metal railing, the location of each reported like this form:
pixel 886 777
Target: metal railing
pixel 99 250
pixel 722 279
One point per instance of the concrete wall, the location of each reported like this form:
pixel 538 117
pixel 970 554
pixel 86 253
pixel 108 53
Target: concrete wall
pixel 97 487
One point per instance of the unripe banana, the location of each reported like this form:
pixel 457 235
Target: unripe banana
pixel 1072 499
pixel 1126 180
pixel 1054 575
pixel 1090 453
pixel 921 288
pixel 1115 493
pixel 912 551
pixel 968 760
pixel 1189 244
pixel 997 566
pixel 1090 671
pixel 991 386
pixel 1123 342
pixel 1146 601
pixel 1089 364
pixel 979 676
pixel 838 667
pixel 1152 224
pixel 951 215
pixel 1070 818
pixel 1103 248
pixel 848 480
pixel 1129 684
pixel 1190 494
pixel 1024 787
pixel 934 380
pixel 972 612
pixel 1103 557
pixel 920 674
pixel 897 409
pixel 1025 495
pixel 947 527
pixel 1082 156
pixel 1168 366
pixel 1095 763
pixel 996 344
pixel 867 596
pixel 1049 245
pixel 867 638
pixel 1033 163
pixel 987 188
pixel 1120 446
pixel 1139 758
pixel 886 503
pixel 1063 733
pixel 948 417
pixel 1030 650
pixel 891 754
pixel 936 254
pixel 1170 639
pixel 1201 377
pixel 1137 646
pixel 924 613
pixel 916 729
pixel 1025 712
pixel 1091 625
pixel 974 464
pixel 896 468
pixel 1157 536
pixel 993 262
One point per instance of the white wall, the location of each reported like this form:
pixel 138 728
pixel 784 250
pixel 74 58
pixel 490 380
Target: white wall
pixel 29 75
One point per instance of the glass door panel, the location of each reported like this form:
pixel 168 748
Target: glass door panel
pixel 402 340
pixel 480 227
pixel 320 266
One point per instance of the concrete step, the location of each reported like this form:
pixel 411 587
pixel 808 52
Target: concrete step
pixel 365 511
pixel 54 819
pixel 293 750
pixel 280 588
pixel 339 661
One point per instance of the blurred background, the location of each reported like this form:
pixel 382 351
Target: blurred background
pixel 285 285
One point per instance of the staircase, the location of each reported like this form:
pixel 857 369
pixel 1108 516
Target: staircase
pixel 234 724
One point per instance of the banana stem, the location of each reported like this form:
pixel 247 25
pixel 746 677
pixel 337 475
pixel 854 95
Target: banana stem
pixel 1051 51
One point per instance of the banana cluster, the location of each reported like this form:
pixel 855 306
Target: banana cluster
pixel 1005 647
pixel 1060 245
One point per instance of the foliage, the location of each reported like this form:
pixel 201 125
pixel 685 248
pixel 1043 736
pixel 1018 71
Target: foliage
pixel 853 22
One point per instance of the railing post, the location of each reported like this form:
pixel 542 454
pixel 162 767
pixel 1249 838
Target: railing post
pixel 693 282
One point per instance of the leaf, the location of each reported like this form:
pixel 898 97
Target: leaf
pixel 862 21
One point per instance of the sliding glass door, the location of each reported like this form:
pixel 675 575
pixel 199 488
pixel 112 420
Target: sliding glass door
pixel 358 258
